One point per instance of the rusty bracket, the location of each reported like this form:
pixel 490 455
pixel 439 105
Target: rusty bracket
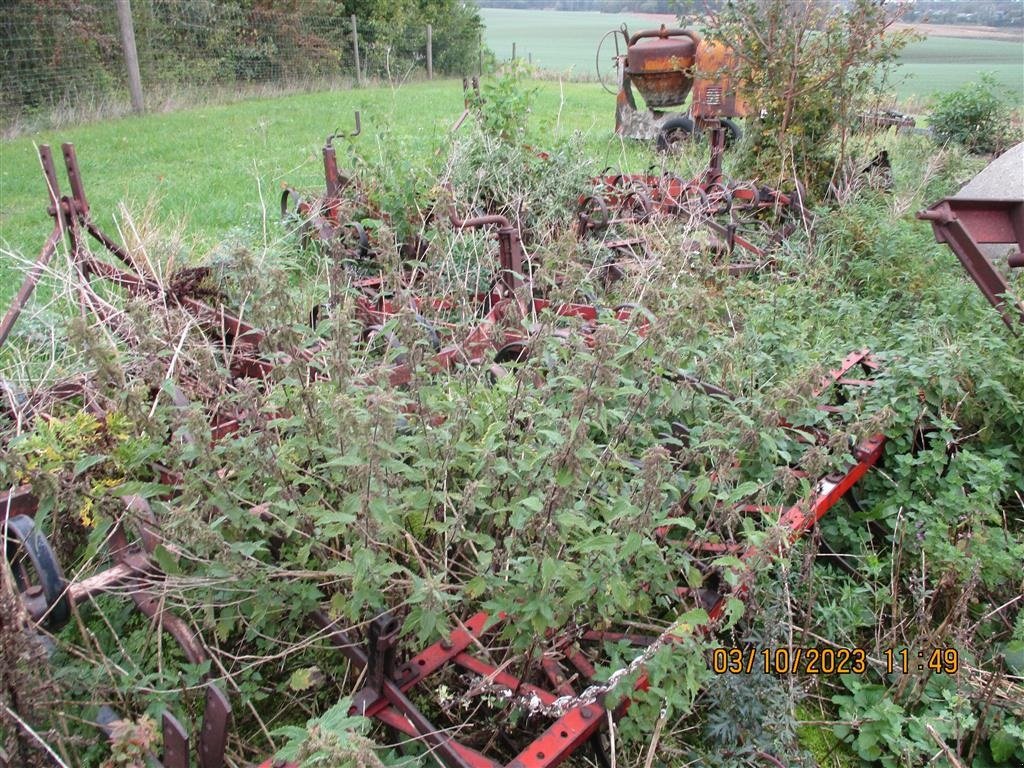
pixel 965 225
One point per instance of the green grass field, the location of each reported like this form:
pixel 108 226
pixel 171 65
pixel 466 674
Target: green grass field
pixel 207 168
pixel 564 41
pixel 556 40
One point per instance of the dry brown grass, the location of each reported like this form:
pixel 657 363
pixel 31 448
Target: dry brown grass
pixel 964 30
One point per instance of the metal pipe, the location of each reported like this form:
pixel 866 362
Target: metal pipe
pixel 665 33
pixel 29 283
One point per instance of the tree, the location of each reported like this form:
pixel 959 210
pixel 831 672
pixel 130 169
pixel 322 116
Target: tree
pixel 808 67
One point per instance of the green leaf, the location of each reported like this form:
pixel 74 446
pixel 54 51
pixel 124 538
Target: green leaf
pixel 548 571
pixel 1013 652
pixel 700 489
pixel 679 522
pixel 744 490
pixel 166 560
pixel 1002 745
pixel 304 679
pixel 84 463
pixel 337 606
pixel 532 503
pixel 685 624
pixel 733 611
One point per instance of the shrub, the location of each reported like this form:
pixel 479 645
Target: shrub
pixel 974 116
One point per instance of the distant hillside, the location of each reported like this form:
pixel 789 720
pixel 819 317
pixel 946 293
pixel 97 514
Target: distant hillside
pixel 994 13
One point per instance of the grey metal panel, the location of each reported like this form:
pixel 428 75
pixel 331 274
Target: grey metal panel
pixel 1002 179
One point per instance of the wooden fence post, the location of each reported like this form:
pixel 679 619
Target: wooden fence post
pixel 131 56
pixel 355 45
pixel 430 52
pixel 513 51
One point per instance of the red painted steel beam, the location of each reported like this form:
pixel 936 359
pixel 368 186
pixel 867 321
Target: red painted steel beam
pixel 964 225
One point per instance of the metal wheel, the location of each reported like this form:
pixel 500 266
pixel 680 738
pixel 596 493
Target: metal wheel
pixel 37 574
pixel 604 77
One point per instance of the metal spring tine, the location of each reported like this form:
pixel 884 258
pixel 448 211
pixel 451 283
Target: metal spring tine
pixel 214 737
pixel 175 743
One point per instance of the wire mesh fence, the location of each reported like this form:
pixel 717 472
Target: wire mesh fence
pixel 63 60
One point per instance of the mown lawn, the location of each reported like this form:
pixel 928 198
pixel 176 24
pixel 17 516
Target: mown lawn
pixel 216 168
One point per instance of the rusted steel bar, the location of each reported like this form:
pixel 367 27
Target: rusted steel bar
pixel 30 282
pixel 964 227
pixel 47 251
pixel 987 211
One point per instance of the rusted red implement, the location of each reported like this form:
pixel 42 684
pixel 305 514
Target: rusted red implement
pixel 559 693
pixel 986 214
pixel 48 598
pixel 72 220
pixel 321 217
pixel 733 211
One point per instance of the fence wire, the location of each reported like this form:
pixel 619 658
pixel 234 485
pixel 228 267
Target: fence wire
pixel 66 55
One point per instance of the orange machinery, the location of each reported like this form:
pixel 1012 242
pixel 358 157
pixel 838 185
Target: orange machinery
pixel 665 66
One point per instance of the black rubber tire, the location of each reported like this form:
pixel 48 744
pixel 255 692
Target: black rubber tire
pixel 673 131
pixel 23 535
pixel 733 132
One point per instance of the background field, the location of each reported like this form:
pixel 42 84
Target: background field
pixel 560 40
pixel 207 167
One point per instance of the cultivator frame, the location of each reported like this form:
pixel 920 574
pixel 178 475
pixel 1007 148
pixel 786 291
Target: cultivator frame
pixel 638 198
pixel 988 211
pixel 574 716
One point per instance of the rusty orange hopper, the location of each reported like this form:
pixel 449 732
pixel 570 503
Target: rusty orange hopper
pixel 715 91
pixel 660 63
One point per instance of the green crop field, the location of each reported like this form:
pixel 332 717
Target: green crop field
pixel 942 63
pixel 564 41
pixel 554 40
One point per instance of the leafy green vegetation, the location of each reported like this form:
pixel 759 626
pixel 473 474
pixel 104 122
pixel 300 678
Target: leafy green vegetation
pixel 534 490
pixel 973 116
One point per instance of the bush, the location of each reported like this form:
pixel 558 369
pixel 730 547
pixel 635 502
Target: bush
pixel 974 116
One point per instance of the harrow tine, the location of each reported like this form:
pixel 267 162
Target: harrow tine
pixel 214 737
pixel 75 179
pixel 176 753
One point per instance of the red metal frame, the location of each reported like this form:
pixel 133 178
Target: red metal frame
pixel 966 224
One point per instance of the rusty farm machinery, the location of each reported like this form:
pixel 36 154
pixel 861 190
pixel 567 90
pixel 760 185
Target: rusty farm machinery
pixel 560 699
pixel 665 66
pixel 671 68
pixel 983 224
